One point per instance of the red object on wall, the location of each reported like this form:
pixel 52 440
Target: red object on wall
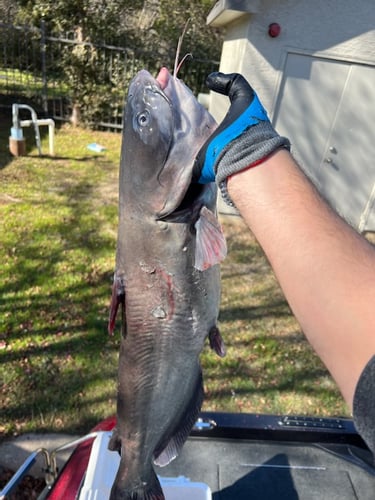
pixel 274 30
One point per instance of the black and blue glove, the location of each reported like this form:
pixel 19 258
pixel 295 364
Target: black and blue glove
pixel 243 139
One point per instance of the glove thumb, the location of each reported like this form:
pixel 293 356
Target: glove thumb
pixel 245 111
pixel 239 91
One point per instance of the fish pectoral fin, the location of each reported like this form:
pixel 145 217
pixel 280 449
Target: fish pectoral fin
pixel 170 447
pixel 210 246
pixel 117 299
pixel 217 342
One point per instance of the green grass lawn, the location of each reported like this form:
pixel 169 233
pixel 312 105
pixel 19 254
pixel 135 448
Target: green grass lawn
pixel 58 364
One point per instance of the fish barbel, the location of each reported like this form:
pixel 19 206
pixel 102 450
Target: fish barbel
pixel 167 279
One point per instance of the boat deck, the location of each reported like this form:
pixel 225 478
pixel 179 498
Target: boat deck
pixel 297 458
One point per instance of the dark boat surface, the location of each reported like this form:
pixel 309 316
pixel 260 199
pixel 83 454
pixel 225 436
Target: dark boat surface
pixel 240 456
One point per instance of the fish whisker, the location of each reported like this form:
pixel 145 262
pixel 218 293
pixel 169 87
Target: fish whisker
pixel 177 64
pixel 186 56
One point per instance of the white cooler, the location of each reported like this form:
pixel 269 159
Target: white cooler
pixel 102 469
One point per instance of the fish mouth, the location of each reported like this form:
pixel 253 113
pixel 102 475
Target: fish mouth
pixel 189 207
pixel 183 206
pixel 184 202
pixel 163 78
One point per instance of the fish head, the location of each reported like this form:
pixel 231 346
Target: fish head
pixel 164 128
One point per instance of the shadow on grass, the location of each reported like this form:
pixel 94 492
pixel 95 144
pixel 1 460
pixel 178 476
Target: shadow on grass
pixel 276 309
pixel 268 366
pixel 54 300
pixel 61 385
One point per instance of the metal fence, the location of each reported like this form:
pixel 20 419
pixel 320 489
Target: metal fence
pixel 59 75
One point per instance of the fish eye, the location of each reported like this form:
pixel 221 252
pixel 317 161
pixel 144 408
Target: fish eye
pixel 143 118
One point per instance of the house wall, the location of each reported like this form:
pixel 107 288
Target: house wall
pixel 314 79
pixel 338 29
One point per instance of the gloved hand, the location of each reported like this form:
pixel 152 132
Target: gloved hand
pixel 243 139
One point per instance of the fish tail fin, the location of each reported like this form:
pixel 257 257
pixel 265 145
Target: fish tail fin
pixel 149 490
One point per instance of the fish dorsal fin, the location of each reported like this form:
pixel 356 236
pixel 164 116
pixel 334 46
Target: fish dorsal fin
pixel 170 448
pixel 210 246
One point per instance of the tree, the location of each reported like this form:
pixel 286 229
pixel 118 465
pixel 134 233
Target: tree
pixel 7 11
pixel 97 20
pixel 150 23
pixel 150 27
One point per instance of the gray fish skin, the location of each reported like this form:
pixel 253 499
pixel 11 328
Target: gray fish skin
pixel 169 306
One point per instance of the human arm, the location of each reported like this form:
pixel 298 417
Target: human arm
pixel 326 269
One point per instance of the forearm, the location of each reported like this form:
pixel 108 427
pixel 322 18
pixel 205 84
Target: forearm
pixel 324 267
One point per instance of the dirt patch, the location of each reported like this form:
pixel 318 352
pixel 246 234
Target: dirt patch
pixel 30 487
pixel 5 199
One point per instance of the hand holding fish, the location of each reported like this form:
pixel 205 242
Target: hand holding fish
pixel 244 138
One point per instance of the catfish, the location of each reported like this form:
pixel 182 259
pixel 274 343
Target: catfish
pixel 167 279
